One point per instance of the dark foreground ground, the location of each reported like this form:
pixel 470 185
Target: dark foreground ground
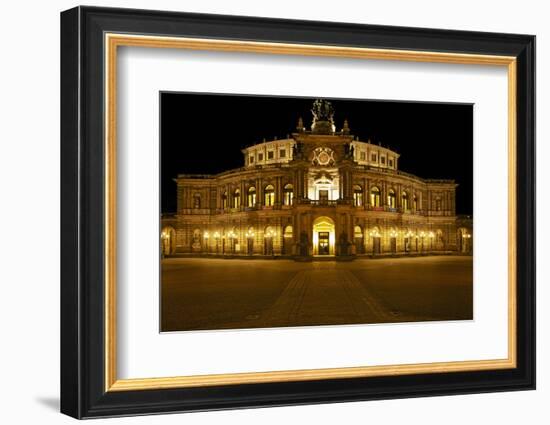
pixel 203 293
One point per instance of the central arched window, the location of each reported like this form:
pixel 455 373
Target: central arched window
pixel 237 198
pixel 405 201
pixel 357 195
pixel 438 204
pixel 251 196
pixel 375 197
pixel 197 201
pixel 391 198
pixel 288 194
pixel 224 201
pixel 269 195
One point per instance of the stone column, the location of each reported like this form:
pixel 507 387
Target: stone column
pixel 365 192
pixel 244 195
pixel 304 183
pixel 259 193
pixel 278 191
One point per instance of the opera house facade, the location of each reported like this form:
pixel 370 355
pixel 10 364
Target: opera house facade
pixel 318 192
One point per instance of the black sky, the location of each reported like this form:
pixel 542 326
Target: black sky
pixel 204 133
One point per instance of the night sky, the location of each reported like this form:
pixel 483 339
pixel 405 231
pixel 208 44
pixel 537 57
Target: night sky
pixel 204 133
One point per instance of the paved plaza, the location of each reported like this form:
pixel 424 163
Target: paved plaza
pixel 204 293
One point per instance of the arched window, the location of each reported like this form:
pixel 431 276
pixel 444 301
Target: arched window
pixel 269 195
pixel 391 198
pixel 414 203
pixel 237 198
pixel 405 201
pixel 224 201
pixel 251 196
pixel 288 194
pixel 375 197
pixel 197 200
pixel 357 195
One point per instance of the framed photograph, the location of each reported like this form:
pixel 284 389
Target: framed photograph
pixel 261 212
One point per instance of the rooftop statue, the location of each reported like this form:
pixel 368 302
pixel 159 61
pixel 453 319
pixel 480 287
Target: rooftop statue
pixel 322 110
pixel 323 117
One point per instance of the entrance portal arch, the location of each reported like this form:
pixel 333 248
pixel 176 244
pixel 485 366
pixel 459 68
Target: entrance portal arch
pixel 168 240
pixel 323 236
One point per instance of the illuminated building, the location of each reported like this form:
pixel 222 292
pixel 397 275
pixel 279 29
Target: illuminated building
pixel 318 192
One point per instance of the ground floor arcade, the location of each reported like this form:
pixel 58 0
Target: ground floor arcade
pixel 314 232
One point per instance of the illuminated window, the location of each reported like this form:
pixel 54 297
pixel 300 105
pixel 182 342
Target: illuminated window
pixel 391 198
pixel 224 200
pixel 288 194
pixel 414 203
pixel 357 195
pixel 237 198
pixel 375 197
pixel 363 156
pixel 251 196
pixel 287 234
pixel 270 155
pixel 438 204
pixel 282 153
pixel 269 195
pixel 405 200
pixel 197 201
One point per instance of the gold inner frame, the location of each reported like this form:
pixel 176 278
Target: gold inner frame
pixel 113 41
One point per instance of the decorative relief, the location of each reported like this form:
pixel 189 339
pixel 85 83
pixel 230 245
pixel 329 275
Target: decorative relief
pixel 323 157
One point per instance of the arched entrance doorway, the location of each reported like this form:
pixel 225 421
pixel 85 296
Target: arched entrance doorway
pixel 168 241
pixel 323 236
pixel 359 240
pixel 464 241
pixel 269 234
pixel 287 240
pixel 375 235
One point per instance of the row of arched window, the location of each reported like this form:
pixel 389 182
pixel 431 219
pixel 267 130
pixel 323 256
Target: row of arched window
pixel 375 200
pixel 234 201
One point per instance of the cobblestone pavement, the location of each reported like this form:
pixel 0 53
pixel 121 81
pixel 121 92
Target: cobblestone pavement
pixel 201 293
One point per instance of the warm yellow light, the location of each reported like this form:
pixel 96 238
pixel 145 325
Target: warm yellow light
pixel 217 235
pixel 431 234
pixel 206 235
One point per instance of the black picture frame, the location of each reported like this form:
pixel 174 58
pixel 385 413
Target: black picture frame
pixel 83 392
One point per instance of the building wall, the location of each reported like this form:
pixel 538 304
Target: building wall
pixel 246 211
